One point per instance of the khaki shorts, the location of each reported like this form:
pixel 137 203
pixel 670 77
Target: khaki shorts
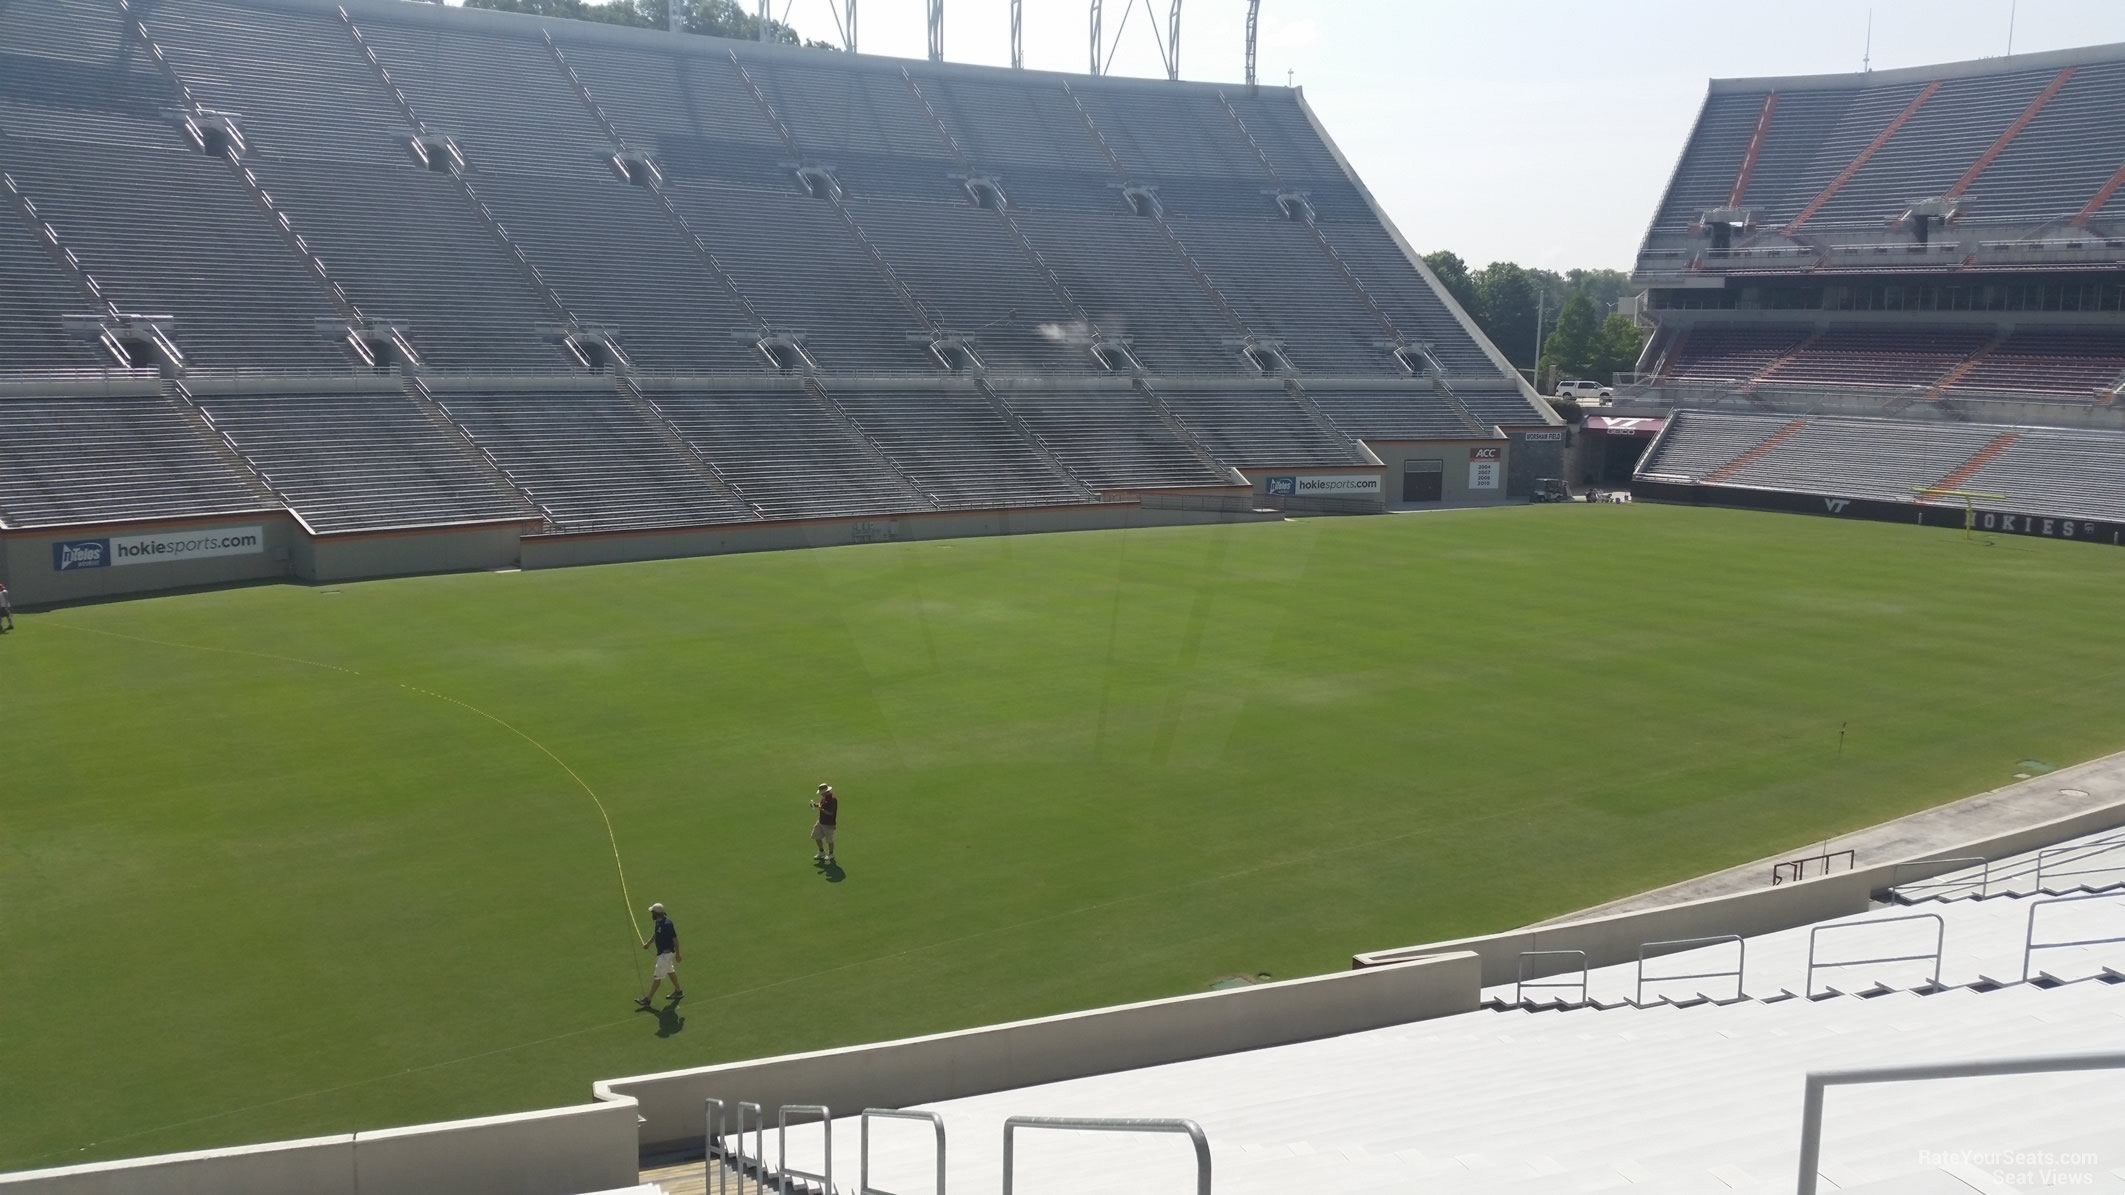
pixel 823 834
pixel 666 964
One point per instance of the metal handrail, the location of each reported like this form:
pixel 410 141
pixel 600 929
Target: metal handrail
pixel 2029 943
pixel 1812 1096
pixel 1192 1129
pixel 759 1147
pixel 863 1151
pixel 1984 876
pixel 715 1172
pixel 1940 935
pixel 1741 957
pixel 1800 866
pixel 2099 847
pixel 1520 976
pixel 783 1170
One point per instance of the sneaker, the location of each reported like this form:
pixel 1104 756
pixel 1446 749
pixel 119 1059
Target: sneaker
pixel 818 858
pixel 642 1002
pixel 676 996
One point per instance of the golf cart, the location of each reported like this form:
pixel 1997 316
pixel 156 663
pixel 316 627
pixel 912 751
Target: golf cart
pixel 1550 489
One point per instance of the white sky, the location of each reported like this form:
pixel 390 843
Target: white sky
pixel 1538 131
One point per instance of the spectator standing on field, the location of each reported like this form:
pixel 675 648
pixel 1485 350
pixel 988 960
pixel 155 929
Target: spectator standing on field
pixel 829 807
pixel 7 609
pixel 665 936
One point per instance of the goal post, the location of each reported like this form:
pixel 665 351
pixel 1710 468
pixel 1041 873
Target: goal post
pixel 1969 498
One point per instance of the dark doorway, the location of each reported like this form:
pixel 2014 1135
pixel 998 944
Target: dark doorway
pixel 1618 460
pixel 1423 481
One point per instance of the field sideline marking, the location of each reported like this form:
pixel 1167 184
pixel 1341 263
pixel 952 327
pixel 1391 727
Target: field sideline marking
pixel 612 839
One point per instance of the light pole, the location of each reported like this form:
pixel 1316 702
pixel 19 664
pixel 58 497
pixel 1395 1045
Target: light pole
pixel 1541 309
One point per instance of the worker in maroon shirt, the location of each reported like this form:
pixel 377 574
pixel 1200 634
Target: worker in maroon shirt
pixel 829 807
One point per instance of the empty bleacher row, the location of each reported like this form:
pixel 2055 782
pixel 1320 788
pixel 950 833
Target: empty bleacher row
pixel 360 461
pixel 1682 1085
pixel 539 236
pixel 109 457
pixel 2011 142
pixel 2041 471
pixel 2039 365
pixel 596 454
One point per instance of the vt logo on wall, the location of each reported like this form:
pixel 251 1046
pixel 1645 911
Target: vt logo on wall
pixel 1836 506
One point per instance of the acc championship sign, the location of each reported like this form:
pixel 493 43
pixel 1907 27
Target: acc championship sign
pixel 166 547
pixel 1324 485
pixel 1485 468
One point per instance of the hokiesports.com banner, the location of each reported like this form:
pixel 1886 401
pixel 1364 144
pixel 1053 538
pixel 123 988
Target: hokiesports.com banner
pixel 1325 485
pixel 164 547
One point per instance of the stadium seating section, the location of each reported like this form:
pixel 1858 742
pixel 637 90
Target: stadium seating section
pixel 2024 151
pixel 1700 1053
pixel 2087 366
pixel 423 266
pixel 2042 471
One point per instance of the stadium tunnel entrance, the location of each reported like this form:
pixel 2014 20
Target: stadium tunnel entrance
pixel 1612 446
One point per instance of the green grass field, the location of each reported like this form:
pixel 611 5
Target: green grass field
pixel 245 897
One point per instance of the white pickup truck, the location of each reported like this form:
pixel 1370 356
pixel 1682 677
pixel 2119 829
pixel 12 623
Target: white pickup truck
pixel 1585 393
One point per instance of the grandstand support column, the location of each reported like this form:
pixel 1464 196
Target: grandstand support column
pixel 1173 239
pixel 1010 415
pixel 1018 35
pixel 488 220
pixel 656 189
pixel 1173 42
pixel 834 411
pixel 1184 433
pixel 417 390
pixel 1320 238
pixel 885 269
pixel 1096 38
pixel 1254 20
pixel 936 30
pixel 713 477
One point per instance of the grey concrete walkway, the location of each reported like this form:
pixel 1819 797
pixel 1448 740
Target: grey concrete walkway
pixel 1931 832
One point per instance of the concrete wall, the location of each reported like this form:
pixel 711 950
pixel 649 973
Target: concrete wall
pixel 1023 1053
pixel 316 1166
pixel 562 1151
pixel 590 1147
pixel 556 551
pixel 1455 455
pixel 33 581
pixel 1535 454
pixel 1259 481
pixel 1616 938
pixel 406 553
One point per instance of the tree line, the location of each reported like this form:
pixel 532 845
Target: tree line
pixel 1580 338
pixel 714 18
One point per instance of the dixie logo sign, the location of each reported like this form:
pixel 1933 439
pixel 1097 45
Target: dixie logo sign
pixel 68 555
